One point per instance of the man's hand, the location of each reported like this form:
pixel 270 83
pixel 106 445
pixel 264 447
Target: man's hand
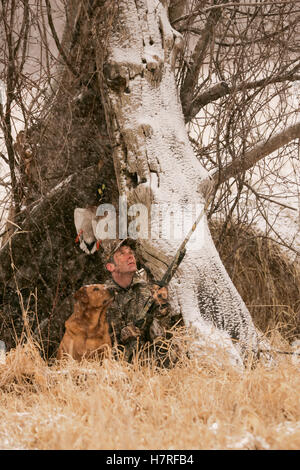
pixel 160 297
pixel 129 332
pixel 156 330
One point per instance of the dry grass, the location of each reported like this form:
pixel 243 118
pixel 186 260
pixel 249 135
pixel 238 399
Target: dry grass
pixel 198 404
pixel 268 281
pixel 195 405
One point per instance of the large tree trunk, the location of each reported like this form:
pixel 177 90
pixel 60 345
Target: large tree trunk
pixel 155 165
pixel 130 107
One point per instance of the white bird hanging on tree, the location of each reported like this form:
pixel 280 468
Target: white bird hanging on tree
pixel 86 220
pixel 85 223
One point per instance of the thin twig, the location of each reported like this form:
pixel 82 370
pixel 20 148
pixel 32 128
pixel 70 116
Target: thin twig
pixel 262 196
pixel 57 42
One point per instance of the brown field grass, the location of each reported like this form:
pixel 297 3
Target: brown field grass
pixel 267 279
pixel 116 405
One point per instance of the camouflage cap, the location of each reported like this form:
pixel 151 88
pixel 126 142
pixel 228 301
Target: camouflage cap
pixel 111 246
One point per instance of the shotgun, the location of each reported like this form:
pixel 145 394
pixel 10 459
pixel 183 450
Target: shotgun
pixel 146 317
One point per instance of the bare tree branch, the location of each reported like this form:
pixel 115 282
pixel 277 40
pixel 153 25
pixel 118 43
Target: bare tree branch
pixel 266 198
pixel 222 89
pixel 212 94
pixel 199 53
pixel 10 89
pixel 259 152
pixel 57 42
pixel 229 5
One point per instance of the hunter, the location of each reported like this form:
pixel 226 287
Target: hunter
pixel 128 328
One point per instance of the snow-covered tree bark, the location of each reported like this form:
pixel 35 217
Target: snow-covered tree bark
pixel 155 165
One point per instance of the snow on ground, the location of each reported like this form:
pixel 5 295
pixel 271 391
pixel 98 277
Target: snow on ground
pixel 242 441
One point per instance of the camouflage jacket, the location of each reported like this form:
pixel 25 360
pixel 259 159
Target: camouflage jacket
pixel 124 315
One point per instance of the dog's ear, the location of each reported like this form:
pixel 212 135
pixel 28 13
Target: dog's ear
pixel 81 295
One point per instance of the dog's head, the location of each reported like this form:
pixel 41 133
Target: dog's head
pixel 94 295
pixel 160 294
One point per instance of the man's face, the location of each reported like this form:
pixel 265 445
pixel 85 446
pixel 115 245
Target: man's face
pixel 124 261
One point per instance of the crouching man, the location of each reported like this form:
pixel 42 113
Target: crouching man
pixel 128 328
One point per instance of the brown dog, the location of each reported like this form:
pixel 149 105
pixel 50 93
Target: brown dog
pixel 87 328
